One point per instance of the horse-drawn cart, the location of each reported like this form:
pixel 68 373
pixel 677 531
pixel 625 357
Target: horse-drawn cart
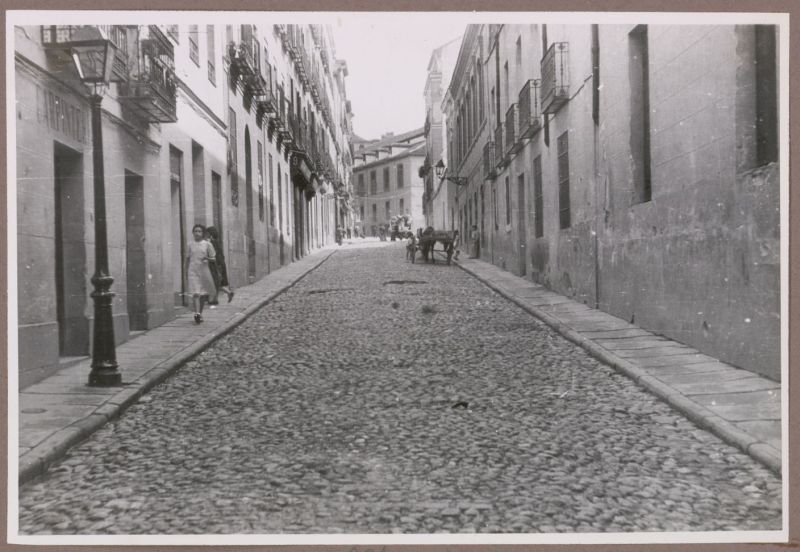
pixel 427 242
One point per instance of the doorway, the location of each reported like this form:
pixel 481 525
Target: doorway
pixel 216 207
pixel 521 228
pixel 177 239
pixel 70 252
pixel 248 195
pixel 136 269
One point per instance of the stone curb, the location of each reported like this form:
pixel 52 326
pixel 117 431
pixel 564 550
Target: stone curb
pixel 728 432
pixel 36 461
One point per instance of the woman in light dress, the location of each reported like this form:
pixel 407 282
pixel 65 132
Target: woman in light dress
pixel 198 274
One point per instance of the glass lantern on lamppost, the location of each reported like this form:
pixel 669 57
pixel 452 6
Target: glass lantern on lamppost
pixel 94 57
pixel 441 172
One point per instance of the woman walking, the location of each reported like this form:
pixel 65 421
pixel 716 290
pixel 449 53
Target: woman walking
pixel 221 270
pixel 198 271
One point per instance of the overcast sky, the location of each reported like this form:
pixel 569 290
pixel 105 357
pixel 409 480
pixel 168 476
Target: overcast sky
pixel 387 61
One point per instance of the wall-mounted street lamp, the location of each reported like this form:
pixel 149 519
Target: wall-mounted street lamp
pixel 94 55
pixel 441 172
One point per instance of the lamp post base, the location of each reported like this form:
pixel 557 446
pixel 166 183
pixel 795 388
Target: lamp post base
pixel 105 377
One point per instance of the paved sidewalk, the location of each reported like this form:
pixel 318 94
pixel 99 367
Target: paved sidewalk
pixel 62 410
pixel 738 406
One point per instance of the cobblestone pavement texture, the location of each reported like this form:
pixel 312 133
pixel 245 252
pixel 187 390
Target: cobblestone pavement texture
pixel 377 396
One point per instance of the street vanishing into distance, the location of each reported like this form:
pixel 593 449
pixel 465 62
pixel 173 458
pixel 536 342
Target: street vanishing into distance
pixel 380 396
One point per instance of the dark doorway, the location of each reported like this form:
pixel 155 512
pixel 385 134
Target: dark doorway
pixel 70 253
pixel 521 226
pixel 198 184
pixel 177 241
pixel 216 190
pixel 135 265
pixel 248 195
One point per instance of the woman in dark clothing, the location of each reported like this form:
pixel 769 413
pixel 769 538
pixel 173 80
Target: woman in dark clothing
pixel 219 271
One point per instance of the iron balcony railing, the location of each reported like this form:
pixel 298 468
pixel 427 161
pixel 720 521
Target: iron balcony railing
pixel 243 55
pixel 499 141
pixel 555 77
pixel 61 38
pixel 530 121
pixel 151 90
pixel 489 161
pixel 513 143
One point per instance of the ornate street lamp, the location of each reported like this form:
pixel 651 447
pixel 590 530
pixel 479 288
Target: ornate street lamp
pixel 94 56
pixel 441 172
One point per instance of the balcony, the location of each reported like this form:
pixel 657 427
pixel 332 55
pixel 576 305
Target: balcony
pixel 286 132
pixel 489 161
pixel 151 90
pixel 499 140
pixel 59 40
pixel 266 102
pixel 555 77
pixel 242 56
pixel 530 121
pixel 513 142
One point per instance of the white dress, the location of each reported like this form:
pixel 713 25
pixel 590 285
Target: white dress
pixel 199 274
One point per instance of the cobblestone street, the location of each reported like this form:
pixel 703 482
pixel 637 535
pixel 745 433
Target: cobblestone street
pixel 377 396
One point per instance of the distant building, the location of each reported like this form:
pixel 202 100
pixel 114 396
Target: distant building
pixel 439 193
pixel 632 168
pixel 387 182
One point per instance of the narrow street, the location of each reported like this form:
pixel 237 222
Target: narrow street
pixel 377 396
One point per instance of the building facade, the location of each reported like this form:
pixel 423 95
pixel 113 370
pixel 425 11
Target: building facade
pixel 243 127
pixel 630 172
pixel 387 182
pixel 439 193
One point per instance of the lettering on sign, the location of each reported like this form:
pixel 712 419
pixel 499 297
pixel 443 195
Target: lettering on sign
pixel 52 110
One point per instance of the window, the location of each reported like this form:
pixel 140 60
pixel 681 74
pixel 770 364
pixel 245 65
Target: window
pixel 402 206
pixel 766 96
pixel 233 157
pixel 373 183
pixel 260 150
pixel 194 50
pixel 480 91
pixel 494 115
pixel 483 208
pixel 506 85
pixel 374 212
pixel 271 194
pixel 508 202
pixel 538 200
pixel 172 32
pixel 639 73
pixel 362 190
pixel 212 67
pixel 388 207
pixel 400 183
pixel 386 185
pixel 518 57
pixel 595 74
pixel 563 181
pixel 494 205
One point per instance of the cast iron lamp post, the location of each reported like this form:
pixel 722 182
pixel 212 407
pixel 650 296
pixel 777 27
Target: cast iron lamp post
pixel 441 171
pixel 94 60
